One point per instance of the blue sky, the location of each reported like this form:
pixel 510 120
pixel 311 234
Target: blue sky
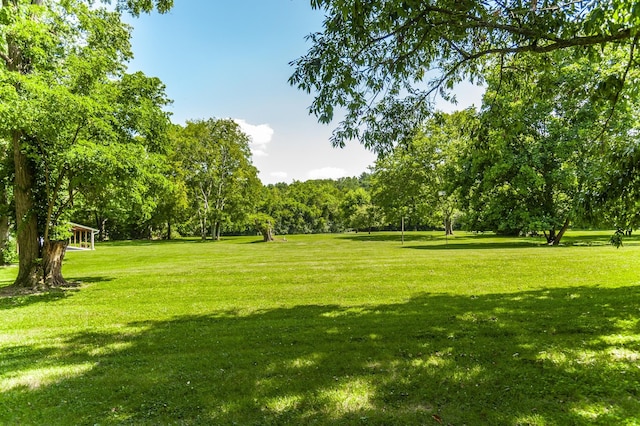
pixel 230 59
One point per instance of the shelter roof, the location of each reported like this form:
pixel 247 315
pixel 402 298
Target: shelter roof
pixel 78 227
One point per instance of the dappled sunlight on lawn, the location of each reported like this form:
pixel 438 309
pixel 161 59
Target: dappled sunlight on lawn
pixel 532 356
pixel 35 378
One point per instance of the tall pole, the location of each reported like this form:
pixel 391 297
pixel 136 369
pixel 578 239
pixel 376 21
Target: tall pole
pixel 402 230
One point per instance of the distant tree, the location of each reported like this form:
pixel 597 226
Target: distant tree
pixel 402 183
pixel 263 223
pixel 417 179
pixel 172 204
pixel 345 184
pixel 318 204
pixel 314 206
pixel 358 210
pixel 222 182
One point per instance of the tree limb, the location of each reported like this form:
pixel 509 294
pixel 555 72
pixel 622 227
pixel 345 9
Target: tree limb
pixel 7 60
pixel 616 96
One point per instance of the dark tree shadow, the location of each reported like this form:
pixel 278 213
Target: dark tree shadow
pixel 11 297
pixel 467 240
pixel 597 239
pixel 389 237
pixel 147 242
pixel 543 357
pixel 486 241
pixel 478 245
pixel 91 279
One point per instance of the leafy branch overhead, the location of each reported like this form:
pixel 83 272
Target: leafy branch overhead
pixel 382 63
pixel 136 7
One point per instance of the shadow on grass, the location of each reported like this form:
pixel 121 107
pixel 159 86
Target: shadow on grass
pixel 91 279
pixel 562 356
pixel 489 240
pixel 9 300
pixel 146 242
pixel 11 297
pixel 479 245
pixel 599 239
pixel 261 241
pixel 470 241
pixel 389 237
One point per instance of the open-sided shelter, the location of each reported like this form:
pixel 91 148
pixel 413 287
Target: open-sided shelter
pixel 82 237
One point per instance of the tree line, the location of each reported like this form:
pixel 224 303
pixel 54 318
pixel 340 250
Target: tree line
pixel 554 143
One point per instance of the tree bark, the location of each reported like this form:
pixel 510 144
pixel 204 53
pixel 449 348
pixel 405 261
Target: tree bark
pixel 216 230
pixel 103 230
pixel 265 228
pixel 448 226
pixel 4 225
pixel 29 267
pixel 267 234
pixel 52 256
pixel 101 224
pixel 4 238
pixel 553 238
pixel 203 228
pixel 564 228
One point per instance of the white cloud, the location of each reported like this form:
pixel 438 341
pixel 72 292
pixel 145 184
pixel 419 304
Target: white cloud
pixel 279 175
pixel 327 173
pixel 260 135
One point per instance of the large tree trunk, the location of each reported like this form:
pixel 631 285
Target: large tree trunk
pixel 52 256
pixel 29 268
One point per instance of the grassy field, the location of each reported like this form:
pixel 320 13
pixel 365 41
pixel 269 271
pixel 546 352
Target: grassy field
pixel 330 329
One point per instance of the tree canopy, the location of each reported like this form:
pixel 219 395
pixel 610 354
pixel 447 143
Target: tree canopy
pixel 215 158
pixel 381 63
pixel 72 115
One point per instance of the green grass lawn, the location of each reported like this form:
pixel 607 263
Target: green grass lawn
pixel 330 329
